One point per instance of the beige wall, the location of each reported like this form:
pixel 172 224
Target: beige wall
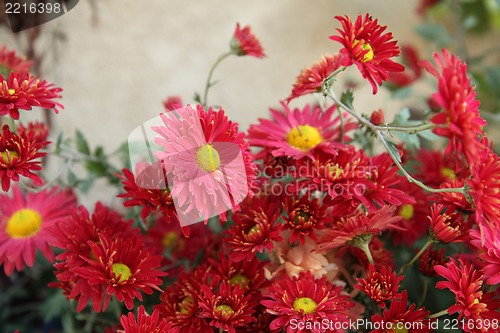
pixel 116 74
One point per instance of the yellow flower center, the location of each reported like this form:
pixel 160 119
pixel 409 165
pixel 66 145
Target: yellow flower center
pixel 169 239
pixel 9 155
pixel 303 137
pixel 23 223
pixel 12 91
pixel 225 309
pixel 207 158
pixel 304 305
pixel 406 211
pixel 253 230
pixel 365 46
pixel 400 330
pixel 301 217
pixel 123 270
pixel 242 280
pixel 448 173
pixel 336 171
pixel 185 304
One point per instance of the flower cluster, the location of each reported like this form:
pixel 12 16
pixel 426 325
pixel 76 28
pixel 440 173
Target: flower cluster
pixel 295 226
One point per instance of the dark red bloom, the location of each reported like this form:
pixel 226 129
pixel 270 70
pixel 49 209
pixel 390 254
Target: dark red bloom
pixel 472 303
pixel 448 225
pixel 228 307
pixel 380 284
pixel 367 46
pixel 146 323
pixel 402 318
pixel 19 156
pixel 244 42
pixel 430 258
pixel 22 91
pixel 412 72
pixel 255 229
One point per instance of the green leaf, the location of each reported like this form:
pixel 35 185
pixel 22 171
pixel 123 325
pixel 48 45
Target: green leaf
pixel 96 167
pixel 394 151
pixel 81 143
pixel 434 33
pixel 72 180
pixel 54 306
pixel 59 140
pixel 347 98
pixel 197 97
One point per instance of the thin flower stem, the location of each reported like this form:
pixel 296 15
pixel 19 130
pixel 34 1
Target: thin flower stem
pixel 424 292
pixel 341 116
pixel 438 314
pixel 378 131
pixel 407 129
pixel 209 82
pixel 426 245
pixel 366 250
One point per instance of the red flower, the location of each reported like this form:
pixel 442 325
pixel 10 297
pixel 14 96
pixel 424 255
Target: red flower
pixel 248 274
pixel 366 46
pixel 121 267
pixel 227 308
pixel 149 190
pixel 11 62
pixel 430 258
pixel 306 300
pixel 471 302
pixel 255 229
pixel 489 254
pixel 22 91
pixel 40 130
pixel 311 78
pixel 172 103
pixel 358 228
pixel 180 303
pixel 380 284
pixel 146 323
pixel 435 168
pixel 401 318
pixel 244 42
pixel 18 156
pixel 460 121
pixel 304 216
pixel 447 225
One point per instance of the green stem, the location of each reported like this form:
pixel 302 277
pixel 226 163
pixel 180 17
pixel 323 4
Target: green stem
pixel 341 116
pixel 209 83
pixel 407 129
pixel 364 246
pixel 377 130
pixel 438 314
pixel 405 267
pixel 424 292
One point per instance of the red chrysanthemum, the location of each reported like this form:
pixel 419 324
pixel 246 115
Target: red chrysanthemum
pixel 244 42
pixel 248 274
pixel 299 133
pixel 145 323
pixel 255 229
pixel 180 303
pixel 472 303
pixel 304 216
pixel 402 318
pixel 489 254
pixel 459 121
pixel 484 187
pixel 380 284
pixel 172 103
pixel 11 62
pixel 300 300
pixel 122 267
pixel 311 79
pixel 18 156
pixel 25 225
pixel 75 235
pixel 447 225
pixel 434 167
pixel 368 47
pixel 22 91
pixel 207 162
pixel 228 307
pixel 149 190
pixel 358 229
pixel 430 258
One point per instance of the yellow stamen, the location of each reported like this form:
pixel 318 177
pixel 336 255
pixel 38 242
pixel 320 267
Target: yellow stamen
pixel 23 223
pixel 9 155
pixel 304 137
pixel 448 173
pixel 123 270
pixel 304 305
pixel 365 46
pixel 207 158
pixel 406 211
